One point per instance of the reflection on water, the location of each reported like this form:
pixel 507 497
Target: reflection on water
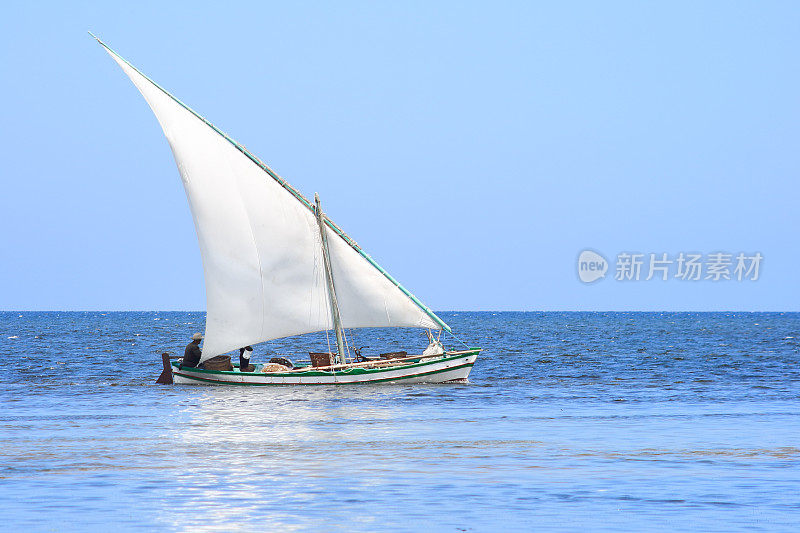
pixel 571 421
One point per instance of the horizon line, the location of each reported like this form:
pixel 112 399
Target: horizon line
pixel 438 311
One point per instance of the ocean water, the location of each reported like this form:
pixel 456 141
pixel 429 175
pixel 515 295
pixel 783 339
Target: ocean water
pixel 570 422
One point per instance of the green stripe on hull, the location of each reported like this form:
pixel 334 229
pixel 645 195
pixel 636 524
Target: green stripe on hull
pixel 346 372
pixel 383 380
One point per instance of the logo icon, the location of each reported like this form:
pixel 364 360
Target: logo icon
pixel 591 266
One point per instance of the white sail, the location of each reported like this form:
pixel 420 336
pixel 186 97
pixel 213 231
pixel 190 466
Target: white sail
pixel 260 243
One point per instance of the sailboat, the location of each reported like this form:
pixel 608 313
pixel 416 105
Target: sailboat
pixel 275 265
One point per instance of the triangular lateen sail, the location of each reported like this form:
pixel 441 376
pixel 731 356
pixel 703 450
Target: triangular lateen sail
pixel 260 245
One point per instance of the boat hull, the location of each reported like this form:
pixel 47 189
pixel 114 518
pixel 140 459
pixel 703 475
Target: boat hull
pixel 454 366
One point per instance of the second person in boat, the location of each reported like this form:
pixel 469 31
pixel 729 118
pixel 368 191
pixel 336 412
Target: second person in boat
pixel 244 359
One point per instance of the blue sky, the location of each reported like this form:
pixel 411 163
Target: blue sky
pixel 474 150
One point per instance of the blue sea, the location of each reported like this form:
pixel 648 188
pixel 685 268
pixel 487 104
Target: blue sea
pixel 570 422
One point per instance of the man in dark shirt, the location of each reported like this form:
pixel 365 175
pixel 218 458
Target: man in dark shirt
pixel 191 355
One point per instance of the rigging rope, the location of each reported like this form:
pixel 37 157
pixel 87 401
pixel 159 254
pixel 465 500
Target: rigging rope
pixel 329 340
pixel 459 340
pixel 346 346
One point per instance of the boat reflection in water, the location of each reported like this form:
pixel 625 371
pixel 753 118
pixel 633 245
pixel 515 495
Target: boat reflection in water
pixel 270 458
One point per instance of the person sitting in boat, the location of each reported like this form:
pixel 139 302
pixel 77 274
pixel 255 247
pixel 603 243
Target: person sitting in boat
pixel 244 359
pixel 191 355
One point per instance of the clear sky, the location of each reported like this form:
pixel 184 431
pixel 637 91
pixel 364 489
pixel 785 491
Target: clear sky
pixel 472 149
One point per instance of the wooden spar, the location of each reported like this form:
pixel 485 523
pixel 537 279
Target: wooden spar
pixel 337 323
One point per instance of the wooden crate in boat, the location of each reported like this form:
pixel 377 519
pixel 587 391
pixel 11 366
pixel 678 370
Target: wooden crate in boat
pixel 321 359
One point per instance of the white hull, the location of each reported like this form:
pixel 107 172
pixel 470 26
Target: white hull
pixel 440 369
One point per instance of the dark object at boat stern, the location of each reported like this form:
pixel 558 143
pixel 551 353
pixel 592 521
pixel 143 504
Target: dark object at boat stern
pixel 166 375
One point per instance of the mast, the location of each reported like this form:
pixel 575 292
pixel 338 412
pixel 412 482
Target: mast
pixel 337 323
